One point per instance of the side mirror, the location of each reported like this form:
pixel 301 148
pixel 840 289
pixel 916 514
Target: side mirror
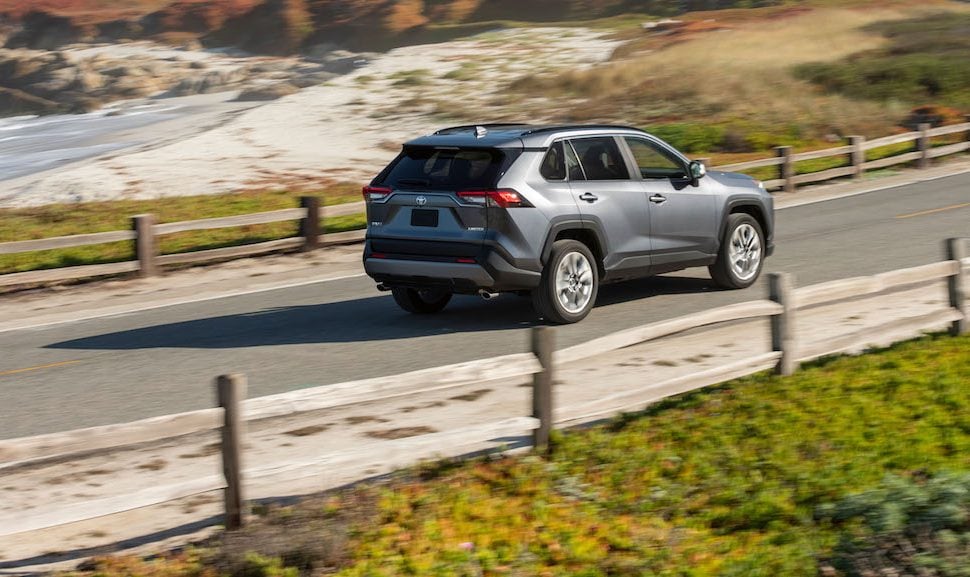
pixel 697 170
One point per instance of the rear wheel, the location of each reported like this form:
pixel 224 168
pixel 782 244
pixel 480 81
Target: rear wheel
pixel 570 281
pixel 421 301
pixel 742 253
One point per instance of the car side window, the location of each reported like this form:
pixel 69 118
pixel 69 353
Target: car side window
pixel 654 161
pixel 573 169
pixel 600 158
pixel 554 163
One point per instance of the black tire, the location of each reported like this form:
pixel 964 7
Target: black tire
pixel 421 301
pixel 724 274
pixel 545 298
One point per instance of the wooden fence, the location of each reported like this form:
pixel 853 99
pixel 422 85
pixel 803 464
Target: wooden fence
pixel 788 179
pixel 782 307
pixel 145 231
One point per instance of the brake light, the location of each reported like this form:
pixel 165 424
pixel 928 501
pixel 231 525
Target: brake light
pixel 378 255
pixel 465 260
pixel 502 198
pixel 376 193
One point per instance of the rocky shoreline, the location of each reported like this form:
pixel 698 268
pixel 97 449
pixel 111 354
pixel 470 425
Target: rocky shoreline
pixel 85 77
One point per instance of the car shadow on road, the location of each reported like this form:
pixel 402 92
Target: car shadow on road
pixel 82 553
pixel 360 320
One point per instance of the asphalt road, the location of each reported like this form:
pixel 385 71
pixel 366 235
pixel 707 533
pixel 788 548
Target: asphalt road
pixel 162 361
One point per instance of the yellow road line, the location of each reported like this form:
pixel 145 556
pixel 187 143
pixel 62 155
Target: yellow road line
pixel 934 210
pixel 38 367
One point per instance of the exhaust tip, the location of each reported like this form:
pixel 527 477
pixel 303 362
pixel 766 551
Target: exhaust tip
pixel 487 295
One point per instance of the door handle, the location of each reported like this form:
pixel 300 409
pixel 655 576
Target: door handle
pixel 588 197
pixel 658 198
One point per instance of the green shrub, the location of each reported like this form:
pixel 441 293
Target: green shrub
pixel 926 61
pixel 907 526
pixel 691 137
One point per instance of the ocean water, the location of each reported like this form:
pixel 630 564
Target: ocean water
pixel 31 144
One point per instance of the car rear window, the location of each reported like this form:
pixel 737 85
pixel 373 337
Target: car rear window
pixel 446 168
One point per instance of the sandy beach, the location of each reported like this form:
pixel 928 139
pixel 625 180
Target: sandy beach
pixel 342 130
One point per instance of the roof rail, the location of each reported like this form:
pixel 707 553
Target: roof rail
pixel 472 127
pixel 554 128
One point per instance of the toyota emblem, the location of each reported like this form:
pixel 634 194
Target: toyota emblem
pixel 421 201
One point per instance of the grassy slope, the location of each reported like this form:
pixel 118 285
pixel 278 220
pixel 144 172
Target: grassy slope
pixel 68 219
pixel 728 82
pixel 925 62
pixel 726 481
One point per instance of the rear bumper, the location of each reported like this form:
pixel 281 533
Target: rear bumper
pixel 489 271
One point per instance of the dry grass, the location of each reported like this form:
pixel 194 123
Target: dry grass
pixel 71 219
pixel 739 74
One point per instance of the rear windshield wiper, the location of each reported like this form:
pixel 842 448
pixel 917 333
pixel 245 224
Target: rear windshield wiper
pixel 414 182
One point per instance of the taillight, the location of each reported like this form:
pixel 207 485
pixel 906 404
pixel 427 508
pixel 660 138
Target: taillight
pixel 503 198
pixel 376 193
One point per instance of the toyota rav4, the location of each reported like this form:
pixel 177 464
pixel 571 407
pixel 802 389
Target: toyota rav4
pixel 555 211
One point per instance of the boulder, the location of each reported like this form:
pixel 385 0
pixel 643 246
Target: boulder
pixel 290 21
pixel 16 66
pixel 53 81
pixel 134 87
pixel 15 102
pixel 44 31
pixel 82 104
pixel 118 30
pixel 314 79
pixel 267 92
pixel 89 81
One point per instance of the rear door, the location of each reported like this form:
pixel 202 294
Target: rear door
pixel 417 198
pixel 611 201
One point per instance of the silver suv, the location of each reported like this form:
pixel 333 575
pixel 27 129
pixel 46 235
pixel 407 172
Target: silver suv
pixel 555 211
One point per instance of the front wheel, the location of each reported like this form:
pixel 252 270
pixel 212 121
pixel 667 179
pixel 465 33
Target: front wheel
pixel 421 301
pixel 570 281
pixel 741 257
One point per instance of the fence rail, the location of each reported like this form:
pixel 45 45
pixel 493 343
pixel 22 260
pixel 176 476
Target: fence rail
pixel 854 152
pixel 783 306
pixel 145 231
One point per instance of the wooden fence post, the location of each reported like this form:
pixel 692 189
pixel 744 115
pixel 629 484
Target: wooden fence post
pixel 231 390
pixel 966 118
pixel 146 247
pixel 923 144
pixel 780 287
pixel 310 225
pixel 786 170
pixel 857 157
pixel 956 249
pixel 543 346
